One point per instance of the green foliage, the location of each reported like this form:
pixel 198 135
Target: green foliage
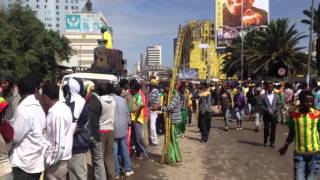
pixel 26 47
pixel 268 50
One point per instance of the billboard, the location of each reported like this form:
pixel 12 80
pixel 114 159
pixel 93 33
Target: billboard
pixel 255 12
pixel 230 14
pixel 85 22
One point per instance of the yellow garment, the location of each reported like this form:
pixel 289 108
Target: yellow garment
pixel 108 38
pixel 136 103
pixel 306 129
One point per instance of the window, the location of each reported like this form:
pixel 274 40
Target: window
pixel 37 6
pixel 72 7
pixel 27 0
pixel 57 7
pixel 71 1
pixel 66 1
pixel 58 19
pixel 57 1
pixel 66 7
pixel 76 7
pixel 49 25
pixel 45 6
pixel 57 25
pixel 76 1
pixel 57 12
pixel 37 0
pixel 46 1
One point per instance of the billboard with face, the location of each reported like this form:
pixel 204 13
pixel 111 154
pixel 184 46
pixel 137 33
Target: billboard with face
pixel 230 14
pixel 255 12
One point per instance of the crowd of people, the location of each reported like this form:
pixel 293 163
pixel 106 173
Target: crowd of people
pixel 50 128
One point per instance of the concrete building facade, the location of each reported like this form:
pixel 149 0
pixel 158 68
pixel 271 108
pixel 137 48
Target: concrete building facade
pixel 199 52
pixel 153 55
pixel 51 12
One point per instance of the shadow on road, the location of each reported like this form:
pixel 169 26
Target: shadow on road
pixel 192 138
pixel 250 143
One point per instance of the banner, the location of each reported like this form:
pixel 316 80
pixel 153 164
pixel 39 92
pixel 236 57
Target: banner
pixel 255 13
pixel 235 12
pixel 219 20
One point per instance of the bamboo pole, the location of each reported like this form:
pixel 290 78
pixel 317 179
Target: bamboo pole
pixel 176 65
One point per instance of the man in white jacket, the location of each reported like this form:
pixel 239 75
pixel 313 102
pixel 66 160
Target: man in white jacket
pixel 59 134
pixel 27 157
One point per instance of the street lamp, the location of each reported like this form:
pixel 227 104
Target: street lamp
pixel 242 41
pixel 310 43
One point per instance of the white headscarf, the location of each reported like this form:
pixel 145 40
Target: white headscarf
pixel 78 100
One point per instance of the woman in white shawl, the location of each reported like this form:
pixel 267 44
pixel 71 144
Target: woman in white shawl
pixel 74 95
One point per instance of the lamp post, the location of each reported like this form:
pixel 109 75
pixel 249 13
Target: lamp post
pixel 242 42
pixel 310 43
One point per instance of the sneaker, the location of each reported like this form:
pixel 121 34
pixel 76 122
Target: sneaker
pixel 226 128
pixel 182 136
pixel 128 173
pixel 117 177
pixel 238 129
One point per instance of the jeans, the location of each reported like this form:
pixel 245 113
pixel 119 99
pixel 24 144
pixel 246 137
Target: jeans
pixel 120 147
pixel 97 160
pixel 306 166
pixel 258 119
pixel 19 174
pixel 153 130
pixel 226 115
pixel 138 140
pixel 239 114
pixel 78 167
pixel 250 108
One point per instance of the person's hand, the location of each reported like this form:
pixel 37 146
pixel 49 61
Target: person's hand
pixel 251 17
pixel 284 149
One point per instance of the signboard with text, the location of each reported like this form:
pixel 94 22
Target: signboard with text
pixel 85 22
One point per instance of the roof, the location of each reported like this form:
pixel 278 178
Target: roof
pixel 93 76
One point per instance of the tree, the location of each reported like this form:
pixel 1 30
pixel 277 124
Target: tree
pixel 26 47
pixel 267 51
pixel 316 28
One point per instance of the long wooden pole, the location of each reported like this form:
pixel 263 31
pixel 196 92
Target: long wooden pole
pixel 176 65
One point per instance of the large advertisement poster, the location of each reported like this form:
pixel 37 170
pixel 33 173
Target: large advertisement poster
pixel 85 22
pixel 255 12
pixel 240 12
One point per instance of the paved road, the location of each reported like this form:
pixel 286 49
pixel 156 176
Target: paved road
pixel 238 155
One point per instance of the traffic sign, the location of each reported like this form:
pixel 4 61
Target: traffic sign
pixel 282 71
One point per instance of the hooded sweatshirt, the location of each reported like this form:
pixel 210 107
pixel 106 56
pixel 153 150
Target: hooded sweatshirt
pixel 108 113
pixel 122 117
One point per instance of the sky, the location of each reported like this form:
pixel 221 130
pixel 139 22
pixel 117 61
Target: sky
pixel 141 23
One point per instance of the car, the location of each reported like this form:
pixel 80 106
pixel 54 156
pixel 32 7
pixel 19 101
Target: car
pixel 94 77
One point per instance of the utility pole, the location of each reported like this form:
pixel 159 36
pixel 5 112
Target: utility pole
pixel 242 39
pixel 310 43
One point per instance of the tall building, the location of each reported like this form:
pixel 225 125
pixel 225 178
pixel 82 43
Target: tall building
pixel 51 12
pixel 153 55
pixel 199 52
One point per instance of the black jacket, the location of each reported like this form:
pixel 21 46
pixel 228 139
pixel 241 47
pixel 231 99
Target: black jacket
pixel 95 109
